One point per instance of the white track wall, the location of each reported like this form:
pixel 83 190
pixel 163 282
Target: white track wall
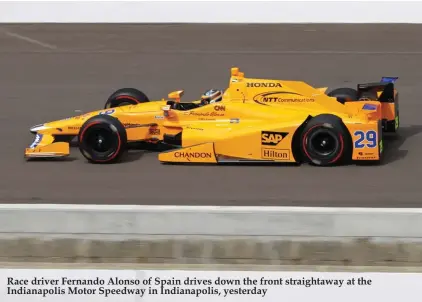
pixel 210 235
pixel 211 12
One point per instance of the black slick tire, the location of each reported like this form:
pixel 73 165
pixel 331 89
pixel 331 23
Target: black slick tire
pixel 344 95
pixel 102 139
pixel 126 96
pixel 325 141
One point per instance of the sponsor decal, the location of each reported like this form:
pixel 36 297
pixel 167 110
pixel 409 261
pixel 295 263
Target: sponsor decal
pixel 220 108
pixel 234 121
pixel 369 107
pixel 365 139
pixel 207 114
pixel 189 155
pixel 389 79
pixel 159 117
pixel 193 128
pixel 366 155
pixel 263 84
pixel 107 112
pixel 85 115
pixel 274 97
pixel 154 131
pixel 130 125
pixel 166 110
pixel 74 128
pixel 269 138
pixel 275 154
pixel 37 140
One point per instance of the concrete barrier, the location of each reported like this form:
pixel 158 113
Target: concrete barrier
pixel 210 235
pixel 299 11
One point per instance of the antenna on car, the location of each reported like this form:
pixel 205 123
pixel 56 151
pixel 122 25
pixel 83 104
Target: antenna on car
pixel 244 97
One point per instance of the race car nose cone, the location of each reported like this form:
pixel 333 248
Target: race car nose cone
pixel 36 128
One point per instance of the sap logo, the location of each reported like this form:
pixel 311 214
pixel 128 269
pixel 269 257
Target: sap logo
pixel 272 138
pixel 261 85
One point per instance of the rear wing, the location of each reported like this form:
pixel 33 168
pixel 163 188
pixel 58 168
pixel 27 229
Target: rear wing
pixel 385 93
pixel 385 86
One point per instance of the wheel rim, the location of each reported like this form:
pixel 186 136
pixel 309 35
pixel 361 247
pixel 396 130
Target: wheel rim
pixel 323 143
pixel 101 141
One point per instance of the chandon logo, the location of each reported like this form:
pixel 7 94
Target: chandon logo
pixel 189 155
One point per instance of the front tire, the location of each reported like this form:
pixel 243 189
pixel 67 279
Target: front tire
pixel 102 139
pixel 325 141
pixel 125 97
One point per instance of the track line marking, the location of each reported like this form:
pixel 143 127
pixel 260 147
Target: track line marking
pixel 29 40
pixel 303 52
pixel 215 209
pixel 244 52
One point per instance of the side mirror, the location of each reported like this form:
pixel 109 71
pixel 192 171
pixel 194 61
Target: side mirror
pixel 176 95
pixel 235 72
pixel 166 110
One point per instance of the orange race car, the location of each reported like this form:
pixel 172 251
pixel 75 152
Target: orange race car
pixel 254 120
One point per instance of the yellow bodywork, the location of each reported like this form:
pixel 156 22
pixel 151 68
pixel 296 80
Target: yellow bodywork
pixel 257 120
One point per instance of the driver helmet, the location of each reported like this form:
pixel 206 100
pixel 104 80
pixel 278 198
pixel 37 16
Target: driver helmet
pixel 212 96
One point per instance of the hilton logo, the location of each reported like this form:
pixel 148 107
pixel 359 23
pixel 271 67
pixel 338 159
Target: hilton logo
pixel 276 154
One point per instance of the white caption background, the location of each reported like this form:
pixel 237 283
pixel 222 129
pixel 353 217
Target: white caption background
pixel 385 286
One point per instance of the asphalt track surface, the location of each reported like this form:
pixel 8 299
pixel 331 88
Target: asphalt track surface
pixel 49 71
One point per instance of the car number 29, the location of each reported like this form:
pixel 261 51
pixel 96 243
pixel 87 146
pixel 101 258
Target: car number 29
pixel 365 139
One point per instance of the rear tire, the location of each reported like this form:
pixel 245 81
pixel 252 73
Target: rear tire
pixel 325 141
pixel 344 95
pixel 126 96
pixel 102 139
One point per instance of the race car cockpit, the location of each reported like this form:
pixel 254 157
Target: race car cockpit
pixel 209 97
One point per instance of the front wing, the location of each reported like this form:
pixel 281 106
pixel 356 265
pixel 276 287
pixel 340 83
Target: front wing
pixel 45 146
